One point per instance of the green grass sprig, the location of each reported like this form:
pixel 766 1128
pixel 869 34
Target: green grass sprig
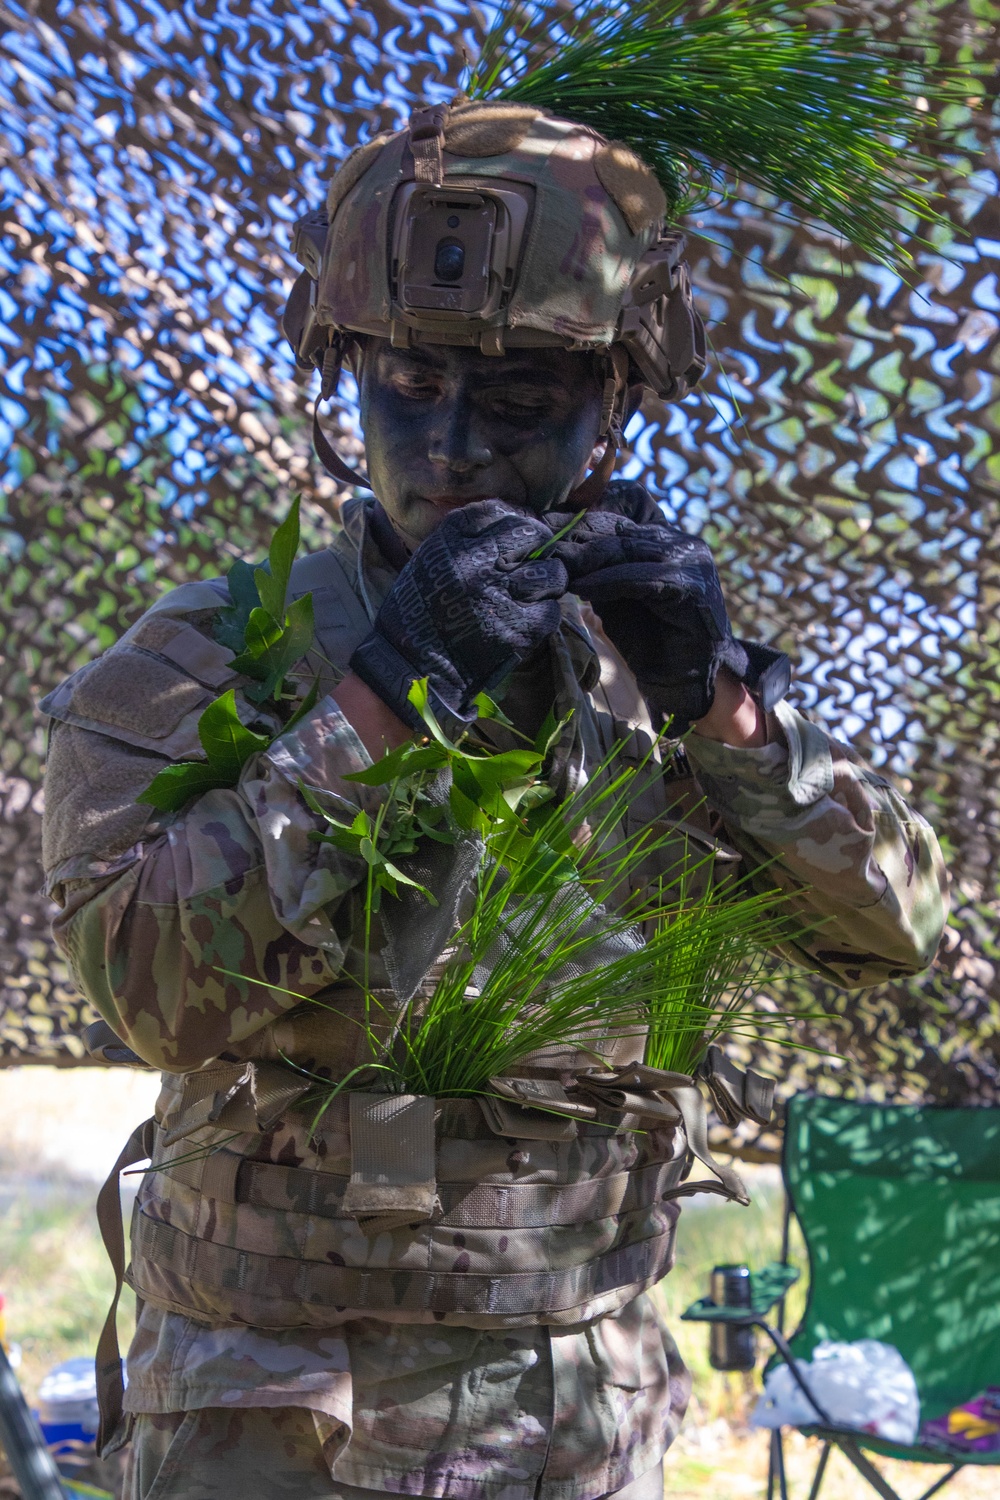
pixel 563 945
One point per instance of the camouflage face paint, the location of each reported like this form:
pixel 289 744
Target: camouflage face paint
pixel 445 426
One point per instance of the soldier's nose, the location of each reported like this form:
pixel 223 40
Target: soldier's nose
pixel 456 442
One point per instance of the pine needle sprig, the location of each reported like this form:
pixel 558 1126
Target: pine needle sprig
pixel 830 122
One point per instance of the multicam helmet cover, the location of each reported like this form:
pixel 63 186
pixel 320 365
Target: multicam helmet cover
pixel 497 226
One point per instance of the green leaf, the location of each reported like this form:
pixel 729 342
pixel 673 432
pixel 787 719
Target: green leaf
pixel 505 769
pixel 467 813
pixel 344 840
pixel 272 581
pixel 406 760
pixel 299 629
pixel 401 841
pixel 419 696
pixel 175 785
pixel 437 834
pixel 426 820
pixel 228 745
pixel 548 736
pixel 242 588
pixel 262 634
pixel 486 780
pixel 535 796
pixel 394 873
pixel 487 709
pixel 282 652
pixel 226 740
pixel 532 863
pixel 230 624
pixel 306 706
pixel 311 800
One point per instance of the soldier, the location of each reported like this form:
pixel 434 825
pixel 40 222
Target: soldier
pixel 503 286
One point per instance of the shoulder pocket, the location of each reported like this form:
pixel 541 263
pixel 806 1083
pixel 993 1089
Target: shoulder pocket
pixel 149 690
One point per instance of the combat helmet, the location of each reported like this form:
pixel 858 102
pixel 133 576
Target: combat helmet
pixel 498 222
pixel 496 225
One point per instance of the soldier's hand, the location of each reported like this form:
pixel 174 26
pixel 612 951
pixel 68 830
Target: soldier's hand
pixel 659 597
pixel 470 604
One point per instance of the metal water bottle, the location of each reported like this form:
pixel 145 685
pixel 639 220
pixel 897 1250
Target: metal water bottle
pixel 731 1347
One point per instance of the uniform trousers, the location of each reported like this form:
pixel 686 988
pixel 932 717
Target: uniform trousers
pixel 259 1453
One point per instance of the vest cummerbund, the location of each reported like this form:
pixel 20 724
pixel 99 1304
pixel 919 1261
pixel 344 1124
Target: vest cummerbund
pixel 251 1229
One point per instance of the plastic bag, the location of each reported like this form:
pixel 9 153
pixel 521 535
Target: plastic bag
pixel 866 1385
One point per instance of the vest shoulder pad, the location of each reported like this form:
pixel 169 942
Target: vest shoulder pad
pixel 150 689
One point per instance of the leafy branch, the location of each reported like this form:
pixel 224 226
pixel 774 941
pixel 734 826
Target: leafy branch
pixel 268 637
pixel 479 793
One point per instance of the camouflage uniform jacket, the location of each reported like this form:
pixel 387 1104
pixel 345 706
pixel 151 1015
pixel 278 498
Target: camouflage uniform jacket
pixel 152 907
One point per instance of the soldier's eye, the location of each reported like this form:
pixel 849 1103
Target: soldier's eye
pixel 522 407
pixel 415 385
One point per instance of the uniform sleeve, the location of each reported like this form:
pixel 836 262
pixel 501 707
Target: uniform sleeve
pixel 151 915
pixel 864 870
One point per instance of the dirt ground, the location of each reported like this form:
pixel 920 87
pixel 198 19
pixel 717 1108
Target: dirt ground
pixel 719 1462
pixel 60 1132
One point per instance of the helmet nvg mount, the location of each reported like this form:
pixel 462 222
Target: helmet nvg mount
pixel 496 226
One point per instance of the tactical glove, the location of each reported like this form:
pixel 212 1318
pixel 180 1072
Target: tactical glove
pixel 466 609
pixel 627 498
pixel 659 597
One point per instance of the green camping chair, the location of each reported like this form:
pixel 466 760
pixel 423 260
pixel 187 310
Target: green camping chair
pixel 900 1211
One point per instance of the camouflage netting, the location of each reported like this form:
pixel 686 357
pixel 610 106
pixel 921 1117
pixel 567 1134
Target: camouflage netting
pixel 841 457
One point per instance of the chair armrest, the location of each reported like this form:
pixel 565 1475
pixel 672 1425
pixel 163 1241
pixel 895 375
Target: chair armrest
pixel 767 1287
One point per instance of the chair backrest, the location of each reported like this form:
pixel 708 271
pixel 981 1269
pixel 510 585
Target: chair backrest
pixel 900 1210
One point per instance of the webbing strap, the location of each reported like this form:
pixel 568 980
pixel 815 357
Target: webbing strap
pixel 692 1107
pixel 332 362
pixel 248 1097
pixel 649 1092
pixel 110 1385
pixel 737 1094
pixel 224 1283
pixel 588 493
pixel 426 143
pixel 232 1179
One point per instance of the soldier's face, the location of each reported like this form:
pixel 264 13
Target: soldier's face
pixel 447 426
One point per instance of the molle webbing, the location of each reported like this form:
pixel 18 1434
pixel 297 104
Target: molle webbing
pixel 223 1283
pixel 209 1223
pixel 230 1178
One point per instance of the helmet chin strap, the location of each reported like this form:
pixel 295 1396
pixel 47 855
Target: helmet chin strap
pixel 333 360
pixel 587 495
